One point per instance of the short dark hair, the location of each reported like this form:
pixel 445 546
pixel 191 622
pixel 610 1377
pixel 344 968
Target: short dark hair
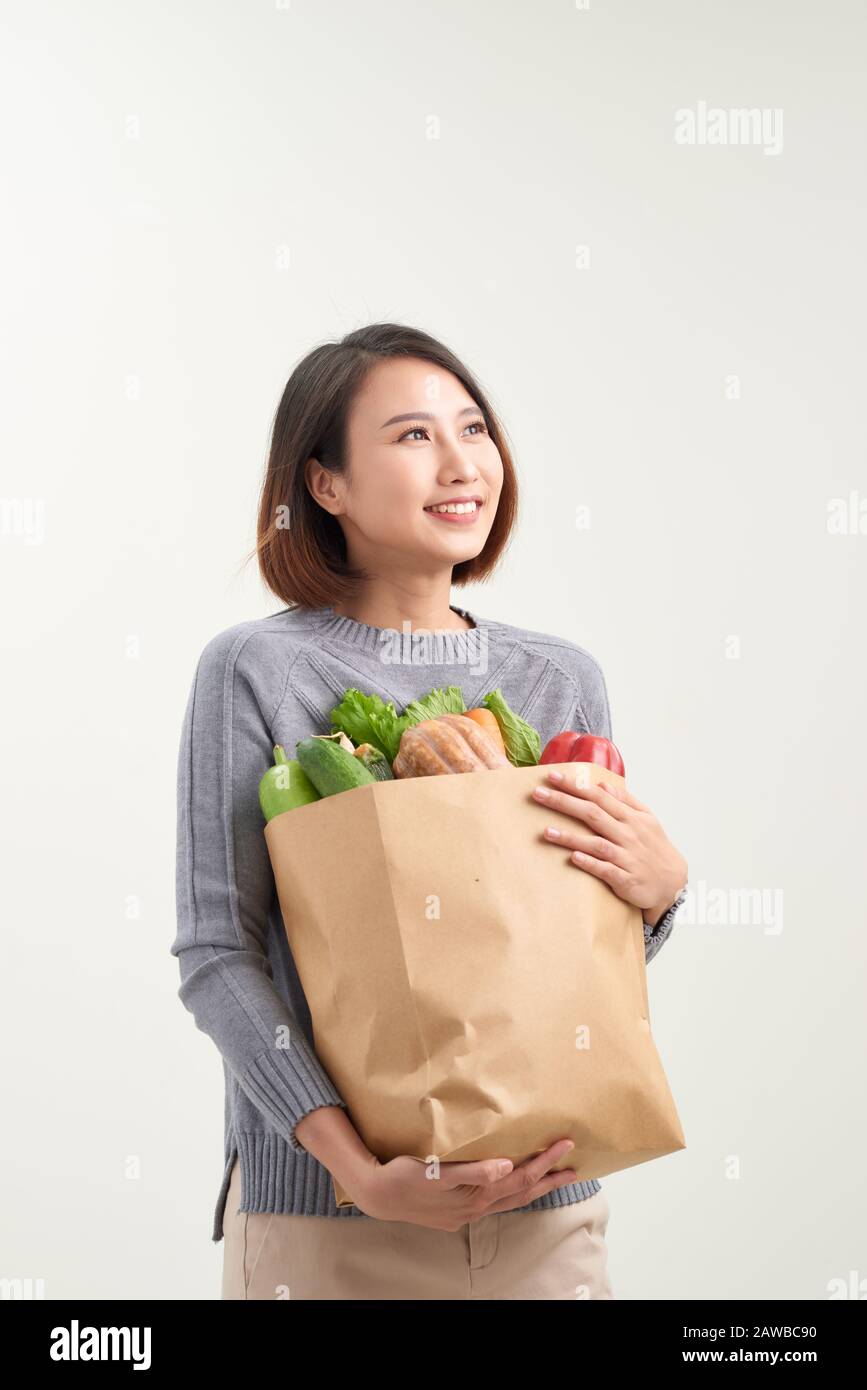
pixel 304 562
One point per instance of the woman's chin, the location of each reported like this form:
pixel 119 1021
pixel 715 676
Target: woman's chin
pixel 460 542
pixel 458 551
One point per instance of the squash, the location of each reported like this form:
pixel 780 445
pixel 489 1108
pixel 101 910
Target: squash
pixel 449 743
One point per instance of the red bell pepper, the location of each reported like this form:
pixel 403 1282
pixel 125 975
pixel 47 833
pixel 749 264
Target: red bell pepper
pixel 570 747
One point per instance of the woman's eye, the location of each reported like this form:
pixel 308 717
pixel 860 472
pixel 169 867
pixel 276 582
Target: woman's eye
pixel 420 429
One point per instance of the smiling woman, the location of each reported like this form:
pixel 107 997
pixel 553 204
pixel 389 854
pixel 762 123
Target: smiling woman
pixel 359 480
pixel 395 477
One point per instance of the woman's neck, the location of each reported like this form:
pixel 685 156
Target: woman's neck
pixel 403 614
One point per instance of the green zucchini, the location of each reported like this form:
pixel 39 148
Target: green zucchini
pixel 330 768
pixel 375 761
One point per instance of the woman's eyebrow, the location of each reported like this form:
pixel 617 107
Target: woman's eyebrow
pixel 425 415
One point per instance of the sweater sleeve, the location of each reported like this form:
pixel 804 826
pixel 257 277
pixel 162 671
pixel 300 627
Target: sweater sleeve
pixel 595 708
pixel 225 889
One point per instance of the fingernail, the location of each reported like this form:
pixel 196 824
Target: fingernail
pixel 556 776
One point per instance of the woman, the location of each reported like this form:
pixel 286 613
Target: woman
pixel 389 479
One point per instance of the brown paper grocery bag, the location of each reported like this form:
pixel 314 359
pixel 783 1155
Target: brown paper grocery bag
pixel 473 993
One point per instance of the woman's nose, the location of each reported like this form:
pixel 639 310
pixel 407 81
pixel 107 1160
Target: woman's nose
pixel 455 465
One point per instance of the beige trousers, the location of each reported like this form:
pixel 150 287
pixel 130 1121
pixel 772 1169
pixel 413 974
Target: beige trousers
pixel 556 1253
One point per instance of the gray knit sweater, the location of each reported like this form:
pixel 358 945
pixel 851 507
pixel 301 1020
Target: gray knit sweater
pixel 275 680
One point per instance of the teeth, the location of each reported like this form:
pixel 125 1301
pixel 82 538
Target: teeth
pixel 457 507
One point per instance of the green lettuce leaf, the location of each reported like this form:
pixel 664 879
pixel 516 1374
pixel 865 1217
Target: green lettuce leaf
pixel 450 701
pixel 523 744
pixel 368 719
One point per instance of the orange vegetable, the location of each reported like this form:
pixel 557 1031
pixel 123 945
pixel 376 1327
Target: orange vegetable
pixel 487 720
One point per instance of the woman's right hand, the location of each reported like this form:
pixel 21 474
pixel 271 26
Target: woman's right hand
pixel 401 1189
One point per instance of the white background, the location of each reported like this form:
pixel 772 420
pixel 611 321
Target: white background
pixel 195 196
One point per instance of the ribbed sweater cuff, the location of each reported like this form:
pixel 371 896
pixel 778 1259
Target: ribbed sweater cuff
pixel 655 936
pixel 288 1083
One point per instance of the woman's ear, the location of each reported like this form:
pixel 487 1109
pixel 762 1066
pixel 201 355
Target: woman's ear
pixel 323 486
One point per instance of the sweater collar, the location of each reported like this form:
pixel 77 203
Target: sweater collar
pixel 370 638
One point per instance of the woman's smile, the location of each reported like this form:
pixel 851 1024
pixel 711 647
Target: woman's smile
pixel 458 512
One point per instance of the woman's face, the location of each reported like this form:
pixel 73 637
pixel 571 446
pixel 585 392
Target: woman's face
pixel 415 439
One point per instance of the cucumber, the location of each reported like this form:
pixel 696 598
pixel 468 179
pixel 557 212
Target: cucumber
pixel 375 761
pixel 330 768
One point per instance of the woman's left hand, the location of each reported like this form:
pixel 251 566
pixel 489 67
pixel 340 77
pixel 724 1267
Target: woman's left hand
pixel 622 842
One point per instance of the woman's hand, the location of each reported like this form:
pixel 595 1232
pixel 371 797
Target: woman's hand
pixel 404 1189
pixel 619 840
